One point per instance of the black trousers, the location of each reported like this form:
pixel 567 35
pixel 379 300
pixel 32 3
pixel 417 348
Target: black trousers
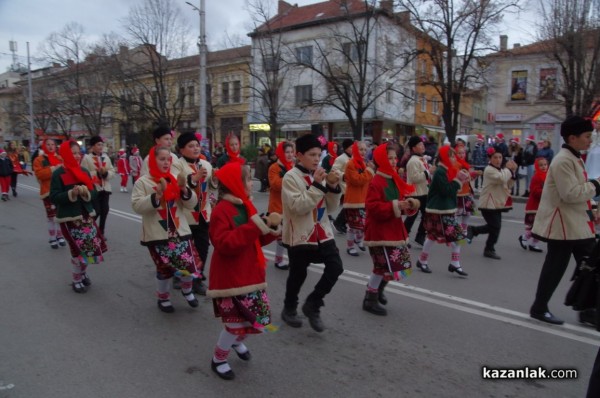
pixel 410 220
pixel 13 181
pixel 594 385
pixel 101 208
pixel 300 259
pixel 493 220
pixel 556 262
pixel 201 240
pixel 340 220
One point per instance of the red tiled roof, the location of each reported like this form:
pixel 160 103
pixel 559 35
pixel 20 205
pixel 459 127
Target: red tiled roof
pixel 292 15
pixel 543 46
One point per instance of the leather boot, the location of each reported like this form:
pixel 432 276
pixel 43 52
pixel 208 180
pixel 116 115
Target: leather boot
pixel 371 304
pixel 290 316
pixel 311 309
pixel 382 297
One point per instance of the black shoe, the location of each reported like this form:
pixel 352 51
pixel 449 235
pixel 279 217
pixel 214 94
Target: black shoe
pixel 546 317
pixel 371 304
pixel 169 309
pixel 61 241
pixel 535 249
pixel 291 318
pixel 470 234
pixel 53 244
pixel 244 356
pixel 78 287
pixel 588 317
pixel 282 266
pixel 382 298
pixel 491 254
pixel 311 310
pixel 14 191
pixel 522 242
pixel 423 267
pixel 193 302
pixel 458 270
pixel 198 287
pixel 526 194
pixel 420 241
pixel 229 375
pixel 86 280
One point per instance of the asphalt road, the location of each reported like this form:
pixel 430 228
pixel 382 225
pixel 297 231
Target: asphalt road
pixel 440 332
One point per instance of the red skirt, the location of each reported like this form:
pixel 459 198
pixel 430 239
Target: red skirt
pixel 465 205
pixel 244 314
pixel 391 262
pixel 84 239
pixel 443 228
pixel 175 257
pixel 355 218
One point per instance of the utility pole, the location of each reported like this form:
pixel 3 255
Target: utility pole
pixel 202 50
pixel 31 133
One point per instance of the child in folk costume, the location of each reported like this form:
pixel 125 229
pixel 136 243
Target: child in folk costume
pixel 385 234
pixel 329 159
pixel 440 214
pixel 123 169
pixel 284 163
pixel 237 280
pixel 308 195
pixel 160 199
pixel 43 167
pixel 527 240
pixel 232 154
pixel 465 199
pixel 198 175
pixel 72 190
pixel 357 175
pixel 6 171
pixel 135 164
pixel 494 200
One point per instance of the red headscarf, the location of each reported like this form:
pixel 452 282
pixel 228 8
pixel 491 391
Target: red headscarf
pixel 172 192
pixel 383 165
pixel 54 161
pixel 358 160
pixel 280 152
pixel 462 162
pixel 331 152
pixel 542 174
pixel 445 160
pixel 230 176
pixel 233 156
pixel 73 172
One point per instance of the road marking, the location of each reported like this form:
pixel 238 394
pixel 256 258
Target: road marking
pixel 441 299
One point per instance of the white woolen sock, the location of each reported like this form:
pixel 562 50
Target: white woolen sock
pixel 375 281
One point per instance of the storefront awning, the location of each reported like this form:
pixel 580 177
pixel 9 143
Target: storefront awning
pixel 296 127
pixel 434 129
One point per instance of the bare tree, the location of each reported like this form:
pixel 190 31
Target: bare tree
pixel 461 32
pixel 570 32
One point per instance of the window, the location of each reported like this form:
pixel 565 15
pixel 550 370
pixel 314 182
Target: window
pixel 354 52
pixel 518 90
pixel 304 55
pixel 303 95
pixel 271 64
pixel 423 104
pixel 547 84
pixel 181 96
pixel 191 96
pixel 436 107
pixel 423 68
pixel 225 92
pixel 237 92
pixel 389 93
pixel 389 54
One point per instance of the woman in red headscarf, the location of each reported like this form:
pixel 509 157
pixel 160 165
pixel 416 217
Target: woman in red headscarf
pixel 466 199
pixel 385 233
pixel 357 175
pixel 232 151
pixel 285 161
pixel 43 167
pixel 237 277
pixel 72 191
pixel 535 189
pixel 160 199
pixel 329 159
pixel 440 214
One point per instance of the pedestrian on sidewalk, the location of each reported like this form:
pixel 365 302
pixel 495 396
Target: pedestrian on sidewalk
pixel 101 168
pixel 6 171
pixel 440 221
pixel 284 163
pixel 199 178
pixel 135 164
pixel 123 169
pixel 160 198
pixel 308 195
pixel 564 218
pixel 418 173
pixel 527 240
pixel 385 234
pixel 43 166
pixel 494 200
pixel 237 278
pixel 72 191
pixel 358 175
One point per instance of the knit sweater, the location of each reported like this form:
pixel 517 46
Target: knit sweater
pixel 306 206
pixel 357 184
pixel 234 269
pixel 441 198
pixel 68 206
pixel 417 173
pixel 93 164
pixel 495 193
pixel 155 219
pixel 565 212
pixel 384 225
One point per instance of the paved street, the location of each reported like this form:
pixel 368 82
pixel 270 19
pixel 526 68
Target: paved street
pixel 113 341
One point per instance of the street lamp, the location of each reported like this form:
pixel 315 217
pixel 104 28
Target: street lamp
pixel 202 84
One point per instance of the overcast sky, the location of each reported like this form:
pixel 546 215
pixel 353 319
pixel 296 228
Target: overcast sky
pixel 34 20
